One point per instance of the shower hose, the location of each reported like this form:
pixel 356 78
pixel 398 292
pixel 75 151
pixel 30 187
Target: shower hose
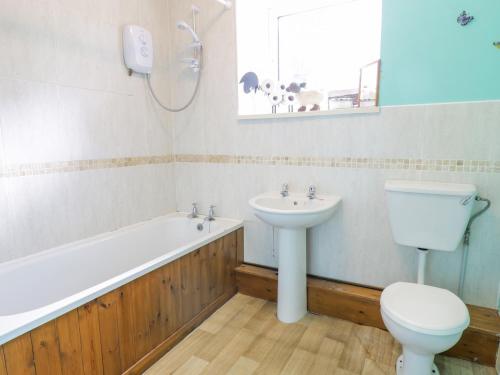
pixel 190 101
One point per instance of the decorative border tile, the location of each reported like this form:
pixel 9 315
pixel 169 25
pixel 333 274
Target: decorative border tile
pixel 33 169
pixel 484 166
pixel 459 166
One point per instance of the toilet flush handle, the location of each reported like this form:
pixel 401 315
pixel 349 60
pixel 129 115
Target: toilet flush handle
pixel 466 200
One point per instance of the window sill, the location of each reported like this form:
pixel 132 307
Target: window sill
pixel 335 112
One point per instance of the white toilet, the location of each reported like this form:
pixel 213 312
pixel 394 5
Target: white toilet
pixel 426 320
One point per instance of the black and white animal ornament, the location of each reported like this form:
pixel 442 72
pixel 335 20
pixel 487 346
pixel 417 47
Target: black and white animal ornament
pixel 305 97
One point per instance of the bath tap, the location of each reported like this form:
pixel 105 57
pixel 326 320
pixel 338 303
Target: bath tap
pixel 209 218
pixel 211 214
pixel 312 192
pixel 284 190
pixel 194 211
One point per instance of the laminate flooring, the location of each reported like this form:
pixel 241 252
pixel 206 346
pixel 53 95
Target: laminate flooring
pixel 245 337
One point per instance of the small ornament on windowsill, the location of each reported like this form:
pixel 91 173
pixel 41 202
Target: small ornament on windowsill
pixel 305 97
pixel 497 44
pixel 277 93
pixel 290 100
pixel 275 99
pixel 250 82
pixel 464 18
pixel 267 86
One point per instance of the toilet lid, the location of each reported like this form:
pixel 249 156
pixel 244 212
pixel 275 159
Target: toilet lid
pixel 425 308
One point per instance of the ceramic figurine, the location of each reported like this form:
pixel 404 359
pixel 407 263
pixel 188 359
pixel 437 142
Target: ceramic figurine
pixel 275 98
pixel 250 82
pixel 290 100
pixel 464 18
pixel 281 87
pixel 306 98
pixel 267 86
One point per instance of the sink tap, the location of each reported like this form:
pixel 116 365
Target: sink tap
pixel 312 192
pixel 211 214
pixel 284 190
pixel 194 211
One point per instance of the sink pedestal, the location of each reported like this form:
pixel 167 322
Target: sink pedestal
pixel 293 214
pixel 292 274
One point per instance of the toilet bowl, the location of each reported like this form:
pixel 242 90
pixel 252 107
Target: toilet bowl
pixel 426 321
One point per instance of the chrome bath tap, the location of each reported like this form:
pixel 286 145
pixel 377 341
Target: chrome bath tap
pixel 207 219
pixel 211 214
pixel 194 211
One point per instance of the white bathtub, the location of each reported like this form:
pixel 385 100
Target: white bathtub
pixel 39 288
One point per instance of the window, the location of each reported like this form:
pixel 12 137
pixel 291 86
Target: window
pixel 311 56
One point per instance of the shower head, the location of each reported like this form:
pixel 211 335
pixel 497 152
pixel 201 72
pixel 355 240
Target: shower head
pixel 181 25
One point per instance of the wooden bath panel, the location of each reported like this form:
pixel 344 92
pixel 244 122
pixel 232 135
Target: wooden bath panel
pixel 129 328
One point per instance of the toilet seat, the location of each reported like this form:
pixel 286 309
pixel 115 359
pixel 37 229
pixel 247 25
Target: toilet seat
pixel 425 309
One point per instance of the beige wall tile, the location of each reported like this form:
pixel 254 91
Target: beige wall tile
pixel 68 105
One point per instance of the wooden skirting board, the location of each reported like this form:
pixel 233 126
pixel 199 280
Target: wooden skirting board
pixel 361 305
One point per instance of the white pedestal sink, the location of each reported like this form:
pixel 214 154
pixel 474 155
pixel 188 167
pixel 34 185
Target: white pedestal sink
pixel 293 215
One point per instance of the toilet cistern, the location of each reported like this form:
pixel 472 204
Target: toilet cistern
pixel 292 214
pixel 429 215
pixel 426 320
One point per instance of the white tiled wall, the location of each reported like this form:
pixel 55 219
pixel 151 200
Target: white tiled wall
pixel 49 210
pixel 65 95
pixel 356 245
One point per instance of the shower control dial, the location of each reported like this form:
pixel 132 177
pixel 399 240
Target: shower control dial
pixel 138 49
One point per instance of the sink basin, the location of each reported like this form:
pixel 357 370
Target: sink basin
pixel 295 210
pixel 292 215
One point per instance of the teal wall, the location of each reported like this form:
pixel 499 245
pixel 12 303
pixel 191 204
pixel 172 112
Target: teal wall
pixel 427 57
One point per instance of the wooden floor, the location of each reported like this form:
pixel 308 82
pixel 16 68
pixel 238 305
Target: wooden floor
pixel 244 337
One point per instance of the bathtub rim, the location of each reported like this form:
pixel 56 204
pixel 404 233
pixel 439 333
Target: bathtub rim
pixel 13 326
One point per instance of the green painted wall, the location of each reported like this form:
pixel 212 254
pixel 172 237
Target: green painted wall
pixel 427 57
